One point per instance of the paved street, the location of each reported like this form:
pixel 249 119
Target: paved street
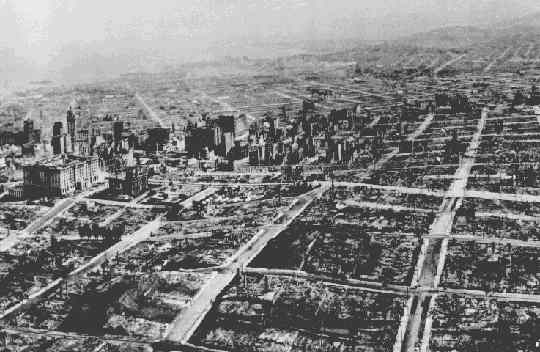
pixel 399 189
pixel 448 63
pixel 375 205
pixel 150 113
pixel 497 59
pixel 431 267
pixel 185 324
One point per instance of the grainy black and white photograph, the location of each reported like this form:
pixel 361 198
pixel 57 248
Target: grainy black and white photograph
pixel 269 176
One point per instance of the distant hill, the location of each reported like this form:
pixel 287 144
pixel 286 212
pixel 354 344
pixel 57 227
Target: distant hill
pixel 528 21
pixel 466 36
pixel 519 28
pixel 448 37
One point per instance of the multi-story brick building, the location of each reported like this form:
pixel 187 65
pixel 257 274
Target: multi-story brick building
pixel 61 175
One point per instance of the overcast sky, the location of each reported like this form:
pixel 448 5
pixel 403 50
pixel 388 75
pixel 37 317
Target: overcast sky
pixel 39 29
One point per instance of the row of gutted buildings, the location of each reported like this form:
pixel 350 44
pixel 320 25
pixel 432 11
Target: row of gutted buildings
pixel 305 135
pixel 275 140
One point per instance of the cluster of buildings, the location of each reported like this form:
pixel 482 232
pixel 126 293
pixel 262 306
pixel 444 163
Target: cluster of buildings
pixel 27 138
pixel 308 135
pixel 311 135
pixel 79 152
pixel 206 135
pixel 74 166
pixel 70 169
pixel 275 140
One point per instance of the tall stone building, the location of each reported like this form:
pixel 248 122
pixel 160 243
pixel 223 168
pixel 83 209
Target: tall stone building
pixel 71 120
pixel 28 131
pixel 59 139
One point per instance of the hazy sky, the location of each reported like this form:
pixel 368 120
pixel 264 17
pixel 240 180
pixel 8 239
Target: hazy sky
pixel 41 29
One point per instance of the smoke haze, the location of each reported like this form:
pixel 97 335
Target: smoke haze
pixel 81 37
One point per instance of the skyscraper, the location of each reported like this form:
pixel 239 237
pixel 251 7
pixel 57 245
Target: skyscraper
pixel 58 138
pixel 118 128
pixel 71 128
pixel 28 130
